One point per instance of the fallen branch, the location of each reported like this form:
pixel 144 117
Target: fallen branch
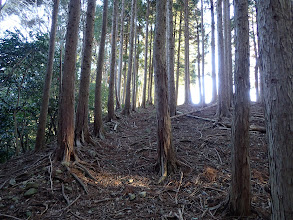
pixel 199 110
pixel 9 216
pixel 64 196
pixel 86 171
pixel 180 183
pixel 78 180
pixel 74 201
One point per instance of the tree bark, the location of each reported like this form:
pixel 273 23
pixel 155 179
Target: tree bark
pixel 240 195
pixel 126 109
pixel 186 36
pixel 82 134
pixel 65 144
pixel 40 139
pixel 178 57
pixel 214 78
pixel 111 111
pixel 150 88
pixel 118 102
pixel 98 122
pixel 223 103
pixel 202 52
pixel 275 32
pixel 170 59
pixel 143 103
pixel 135 59
pixel 166 154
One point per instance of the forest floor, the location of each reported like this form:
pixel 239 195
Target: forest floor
pixel 124 184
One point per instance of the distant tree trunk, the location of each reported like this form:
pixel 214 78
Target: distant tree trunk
pixel 40 139
pixel 178 57
pixel 81 123
pixel 126 109
pixel 186 36
pixel 111 111
pixel 145 56
pixel 125 68
pixel 166 155
pixel 214 77
pixel 240 195
pixel 275 31
pixel 227 50
pixel 202 52
pixel 65 144
pixel 150 99
pixel 223 103
pixel 170 58
pixel 256 61
pixel 134 69
pixel 116 70
pixel 118 102
pixel 198 63
pixel 98 122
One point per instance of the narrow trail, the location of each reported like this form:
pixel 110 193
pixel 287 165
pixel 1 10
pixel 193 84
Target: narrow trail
pixel 125 183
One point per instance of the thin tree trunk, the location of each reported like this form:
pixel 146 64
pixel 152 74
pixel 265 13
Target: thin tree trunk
pixel 186 36
pixel 178 56
pixel 98 122
pixel 125 69
pixel 202 52
pixel 111 111
pixel 134 69
pixel 214 78
pixel 275 31
pixel 82 134
pixel 240 195
pixel 126 109
pixel 198 63
pixel 166 155
pixel 150 99
pixel 145 56
pixel 223 103
pixel 65 143
pixel 118 102
pixel 170 58
pixel 40 139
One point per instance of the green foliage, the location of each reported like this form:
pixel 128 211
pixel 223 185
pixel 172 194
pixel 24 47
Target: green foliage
pixel 22 71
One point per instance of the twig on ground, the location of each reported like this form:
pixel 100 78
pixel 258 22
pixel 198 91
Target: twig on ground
pixel 86 171
pixel 221 162
pixel 3 184
pixel 64 195
pixel 180 183
pixel 77 216
pixel 74 201
pixel 50 173
pixel 78 180
pixel 9 216
pixel 46 208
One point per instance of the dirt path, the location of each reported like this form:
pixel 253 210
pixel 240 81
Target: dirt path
pixel 125 185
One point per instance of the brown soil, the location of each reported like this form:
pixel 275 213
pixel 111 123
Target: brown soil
pixel 125 183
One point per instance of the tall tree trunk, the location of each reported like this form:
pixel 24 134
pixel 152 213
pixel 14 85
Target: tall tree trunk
pixel 98 122
pixel 166 154
pixel 145 56
pixel 198 62
pixel 178 56
pixel 186 36
pixel 40 139
pixel 256 61
pixel 170 58
pixel 240 196
pixel 125 68
pixel 118 102
pixel 202 52
pixel 227 50
pixel 150 99
pixel 65 144
pixel 111 112
pixel 223 103
pixel 134 69
pixel 81 123
pixel 214 78
pixel 126 109
pixel 275 31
